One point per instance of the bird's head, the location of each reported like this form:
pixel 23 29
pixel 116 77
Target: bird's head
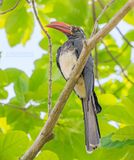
pixel 69 30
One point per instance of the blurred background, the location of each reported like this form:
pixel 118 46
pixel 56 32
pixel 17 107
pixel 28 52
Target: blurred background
pixel 24 63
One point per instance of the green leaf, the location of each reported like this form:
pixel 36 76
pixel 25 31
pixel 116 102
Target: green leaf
pixel 3 93
pixel 47 155
pixel 7 5
pixel 44 44
pixel 3 78
pixel 107 99
pixel 128 18
pixel 13 145
pixel 128 105
pixel 130 35
pixel 118 113
pixel 124 133
pixel 19 26
pixel 131 69
pixel 38 77
pixel 28 119
pixel 13 74
pixel 125 57
pixel 21 87
pixel 107 142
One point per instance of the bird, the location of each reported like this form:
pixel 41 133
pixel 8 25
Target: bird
pixel 67 56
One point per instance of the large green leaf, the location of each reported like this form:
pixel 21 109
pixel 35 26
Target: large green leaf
pixel 22 119
pixel 38 77
pixel 130 35
pixel 3 78
pixel 107 99
pixel 47 155
pixel 12 145
pixel 3 93
pixel 124 133
pixel 19 26
pixel 21 87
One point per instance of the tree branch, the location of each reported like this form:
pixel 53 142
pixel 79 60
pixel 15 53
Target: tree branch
pixel 117 56
pixel 117 28
pixel 11 9
pixel 95 49
pixel 116 61
pixel 50 58
pixel 101 14
pixel 55 113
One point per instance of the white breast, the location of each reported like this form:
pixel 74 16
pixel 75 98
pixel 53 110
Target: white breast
pixel 67 61
pixel 80 88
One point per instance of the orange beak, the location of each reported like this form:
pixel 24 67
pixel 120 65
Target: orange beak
pixel 63 27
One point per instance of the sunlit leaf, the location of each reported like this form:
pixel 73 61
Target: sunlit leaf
pixel 124 133
pixel 130 36
pixel 47 155
pixel 19 26
pixel 12 145
pixel 107 99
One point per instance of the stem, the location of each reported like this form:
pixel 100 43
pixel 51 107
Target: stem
pixel 50 58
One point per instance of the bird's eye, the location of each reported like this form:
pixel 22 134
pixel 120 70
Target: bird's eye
pixel 75 29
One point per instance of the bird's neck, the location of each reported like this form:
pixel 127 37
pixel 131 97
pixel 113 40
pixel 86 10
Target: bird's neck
pixel 75 37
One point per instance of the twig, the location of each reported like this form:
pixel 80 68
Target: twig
pixel 116 61
pixel 11 9
pixel 117 56
pixel 50 58
pixel 122 35
pixel 96 52
pixel 117 28
pixel 55 113
pixel 28 1
pixel 100 15
pixel 118 89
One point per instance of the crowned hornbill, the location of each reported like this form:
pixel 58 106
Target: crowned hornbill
pixel 67 56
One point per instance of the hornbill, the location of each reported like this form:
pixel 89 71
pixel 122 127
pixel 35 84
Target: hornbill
pixel 67 56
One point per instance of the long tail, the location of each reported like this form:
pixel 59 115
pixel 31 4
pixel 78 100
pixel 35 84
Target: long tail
pixel 92 133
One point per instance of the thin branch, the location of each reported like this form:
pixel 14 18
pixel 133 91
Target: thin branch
pixel 117 56
pixel 56 111
pixel 11 9
pixel 117 28
pixel 116 61
pixel 28 1
pixel 122 35
pixel 100 15
pixel 96 52
pixel 118 89
pixel 50 58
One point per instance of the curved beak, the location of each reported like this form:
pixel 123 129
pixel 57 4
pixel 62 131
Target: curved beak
pixel 63 27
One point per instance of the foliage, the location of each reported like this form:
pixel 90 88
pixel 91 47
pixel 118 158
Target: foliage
pixel 20 118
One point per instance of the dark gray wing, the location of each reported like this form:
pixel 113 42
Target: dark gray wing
pixel 87 73
pixel 57 60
